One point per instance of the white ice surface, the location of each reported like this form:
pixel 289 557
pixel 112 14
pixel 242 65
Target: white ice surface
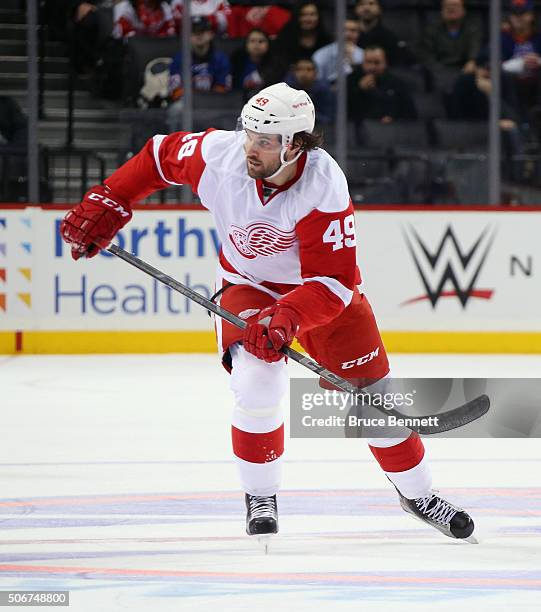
pixel 117 484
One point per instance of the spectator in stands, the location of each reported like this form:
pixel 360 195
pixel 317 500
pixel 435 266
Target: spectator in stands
pixel 374 34
pixel 253 67
pixel 470 101
pixel 450 45
pixel 211 70
pixel 243 19
pixel 326 58
pixel 84 26
pixel 521 53
pixel 375 93
pixel 217 12
pixel 142 17
pixel 305 76
pixel 302 36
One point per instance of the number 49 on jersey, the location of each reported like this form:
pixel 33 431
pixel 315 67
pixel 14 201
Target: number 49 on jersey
pixel 340 236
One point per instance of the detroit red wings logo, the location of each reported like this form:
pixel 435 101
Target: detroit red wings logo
pixel 261 239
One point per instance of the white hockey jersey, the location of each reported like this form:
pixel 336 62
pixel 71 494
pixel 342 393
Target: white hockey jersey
pixel 298 244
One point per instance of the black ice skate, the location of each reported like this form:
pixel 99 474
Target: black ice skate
pixel 261 515
pixel 436 511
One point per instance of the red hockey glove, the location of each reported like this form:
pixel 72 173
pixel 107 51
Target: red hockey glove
pixel 275 328
pixel 92 224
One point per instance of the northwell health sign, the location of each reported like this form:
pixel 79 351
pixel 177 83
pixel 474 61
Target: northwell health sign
pixel 432 276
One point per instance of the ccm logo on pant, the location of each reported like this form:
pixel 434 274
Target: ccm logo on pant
pixel 110 203
pixel 360 360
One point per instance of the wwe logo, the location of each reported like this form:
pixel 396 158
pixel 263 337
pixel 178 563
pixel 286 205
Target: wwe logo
pixel 449 271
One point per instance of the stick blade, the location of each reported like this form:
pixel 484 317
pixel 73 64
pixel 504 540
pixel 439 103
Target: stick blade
pixel 463 415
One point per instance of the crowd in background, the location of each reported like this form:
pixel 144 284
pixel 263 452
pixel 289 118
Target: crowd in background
pixel 293 41
pixel 403 61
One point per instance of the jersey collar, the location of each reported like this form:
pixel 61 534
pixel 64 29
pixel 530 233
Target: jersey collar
pixel 301 163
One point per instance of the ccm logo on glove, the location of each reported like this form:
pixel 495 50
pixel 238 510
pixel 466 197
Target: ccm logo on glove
pixel 92 224
pixel 108 202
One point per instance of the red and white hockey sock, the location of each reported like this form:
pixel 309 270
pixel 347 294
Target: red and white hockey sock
pixel 405 464
pixel 258 421
pixel 259 459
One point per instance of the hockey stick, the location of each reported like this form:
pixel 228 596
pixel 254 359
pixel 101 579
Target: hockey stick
pixel 445 421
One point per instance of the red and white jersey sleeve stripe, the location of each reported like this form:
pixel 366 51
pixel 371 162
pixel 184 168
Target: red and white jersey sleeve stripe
pixel 328 267
pixel 176 159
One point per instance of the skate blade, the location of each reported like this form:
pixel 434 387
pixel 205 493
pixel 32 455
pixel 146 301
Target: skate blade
pixel 471 539
pixel 264 541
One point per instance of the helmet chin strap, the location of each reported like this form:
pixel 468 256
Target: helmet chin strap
pixel 283 162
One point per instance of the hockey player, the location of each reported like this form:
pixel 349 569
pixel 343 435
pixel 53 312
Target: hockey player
pixel 288 267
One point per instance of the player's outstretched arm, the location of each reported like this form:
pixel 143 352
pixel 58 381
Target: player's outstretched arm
pixel 105 209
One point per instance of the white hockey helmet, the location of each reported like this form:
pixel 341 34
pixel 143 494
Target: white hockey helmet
pixel 279 109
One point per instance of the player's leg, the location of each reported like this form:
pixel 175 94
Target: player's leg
pixel 258 434
pixel 403 459
pixel 351 346
pixel 257 428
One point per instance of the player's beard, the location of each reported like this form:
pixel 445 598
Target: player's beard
pixel 262 171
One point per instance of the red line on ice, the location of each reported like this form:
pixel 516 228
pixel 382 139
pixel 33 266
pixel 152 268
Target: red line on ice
pixel 290 577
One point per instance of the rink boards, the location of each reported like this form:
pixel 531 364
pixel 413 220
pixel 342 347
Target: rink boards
pixel 439 280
